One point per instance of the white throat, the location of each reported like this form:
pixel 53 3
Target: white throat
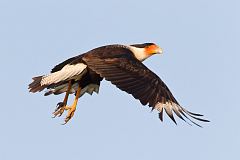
pixel 139 53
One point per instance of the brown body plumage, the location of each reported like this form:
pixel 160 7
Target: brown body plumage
pixel 120 64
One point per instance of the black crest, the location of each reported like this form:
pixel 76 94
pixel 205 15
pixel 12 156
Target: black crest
pixel 143 45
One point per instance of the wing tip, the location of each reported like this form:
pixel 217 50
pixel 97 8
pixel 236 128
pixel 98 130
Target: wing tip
pixel 180 112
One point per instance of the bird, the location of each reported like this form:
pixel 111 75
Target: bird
pixel 122 66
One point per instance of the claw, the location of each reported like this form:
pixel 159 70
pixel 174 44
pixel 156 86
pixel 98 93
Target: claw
pixel 72 108
pixel 59 105
pixel 59 109
pixel 70 114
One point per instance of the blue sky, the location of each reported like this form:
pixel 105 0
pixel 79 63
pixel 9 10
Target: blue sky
pixel 200 65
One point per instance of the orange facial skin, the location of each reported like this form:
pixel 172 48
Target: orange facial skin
pixel 153 49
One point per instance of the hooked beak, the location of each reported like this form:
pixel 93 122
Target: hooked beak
pixel 160 50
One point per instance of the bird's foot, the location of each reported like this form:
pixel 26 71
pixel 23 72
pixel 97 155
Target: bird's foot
pixel 60 108
pixel 71 111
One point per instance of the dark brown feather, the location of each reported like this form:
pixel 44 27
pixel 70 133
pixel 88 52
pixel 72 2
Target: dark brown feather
pixel 35 86
pixel 72 60
pixel 62 64
pixel 130 75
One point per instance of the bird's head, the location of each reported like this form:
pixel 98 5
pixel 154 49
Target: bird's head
pixel 145 50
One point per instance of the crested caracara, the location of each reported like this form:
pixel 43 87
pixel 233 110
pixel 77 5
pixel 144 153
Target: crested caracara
pixel 122 66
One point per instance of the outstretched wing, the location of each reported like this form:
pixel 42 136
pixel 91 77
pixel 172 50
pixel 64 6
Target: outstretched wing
pixel 130 75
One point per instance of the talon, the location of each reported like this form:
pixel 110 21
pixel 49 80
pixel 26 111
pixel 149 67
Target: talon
pixel 59 105
pixel 72 108
pixel 60 108
pixel 70 114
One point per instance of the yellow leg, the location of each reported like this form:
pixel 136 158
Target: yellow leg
pixel 67 93
pixel 61 106
pixel 71 109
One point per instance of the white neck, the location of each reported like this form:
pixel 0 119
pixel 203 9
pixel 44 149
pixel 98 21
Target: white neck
pixel 139 53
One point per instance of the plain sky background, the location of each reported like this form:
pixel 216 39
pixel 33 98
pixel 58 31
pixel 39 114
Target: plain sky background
pixel 200 64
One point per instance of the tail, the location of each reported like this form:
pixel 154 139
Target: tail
pixel 36 86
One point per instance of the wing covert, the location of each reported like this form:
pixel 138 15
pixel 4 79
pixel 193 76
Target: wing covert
pixel 133 77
